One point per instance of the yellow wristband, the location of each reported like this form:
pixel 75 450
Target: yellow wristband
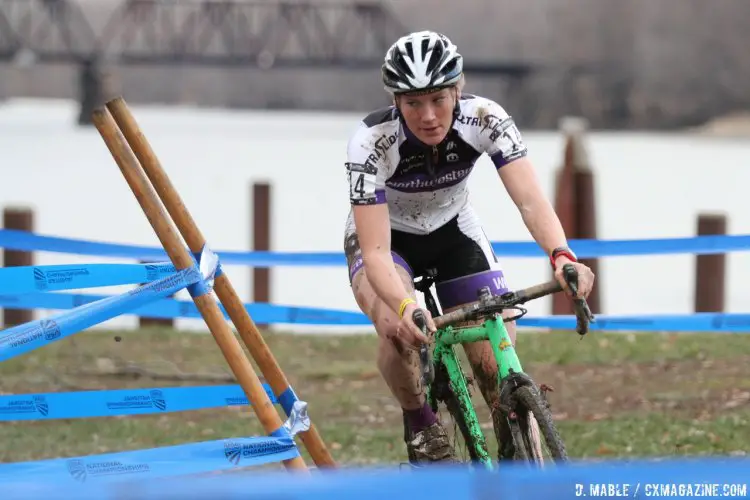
pixel 404 303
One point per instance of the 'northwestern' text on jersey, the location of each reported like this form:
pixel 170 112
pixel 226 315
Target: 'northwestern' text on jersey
pixel 426 186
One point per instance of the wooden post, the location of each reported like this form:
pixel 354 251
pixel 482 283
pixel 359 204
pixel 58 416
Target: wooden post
pixel 565 209
pixel 146 322
pixel 173 245
pixel 710 270
pixel 222 286
pixel 261 216
pixel 21 219
pixel 90 89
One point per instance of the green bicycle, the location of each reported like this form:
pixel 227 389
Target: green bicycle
pixel 520 398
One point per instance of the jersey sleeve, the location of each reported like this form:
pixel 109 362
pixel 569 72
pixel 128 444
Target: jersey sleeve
pixel 499 136
pixel 365 171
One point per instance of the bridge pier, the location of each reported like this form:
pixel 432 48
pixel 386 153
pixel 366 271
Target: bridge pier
pixel 91 88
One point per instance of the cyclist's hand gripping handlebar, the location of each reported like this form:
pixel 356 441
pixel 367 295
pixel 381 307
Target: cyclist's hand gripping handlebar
pixel 583 313
pixel 426 368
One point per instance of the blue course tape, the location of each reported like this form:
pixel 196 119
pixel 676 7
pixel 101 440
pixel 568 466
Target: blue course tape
pixel 111 403
pixel 698 245
pixel 30 279
pixel 29 336
pixel 172 308
pixel 144 464
pixel 287 400
pixel 662 478
pixel 275 314
pixel 699 322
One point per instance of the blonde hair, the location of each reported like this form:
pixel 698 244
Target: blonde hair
pixel 461 83
pixel 459 86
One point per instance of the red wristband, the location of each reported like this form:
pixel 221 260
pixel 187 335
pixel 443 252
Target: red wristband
pixel 562 251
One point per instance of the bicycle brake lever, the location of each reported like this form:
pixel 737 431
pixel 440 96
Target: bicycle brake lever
pixel 428 372
pixel 583 312
pixel 583 317
pixel 571 277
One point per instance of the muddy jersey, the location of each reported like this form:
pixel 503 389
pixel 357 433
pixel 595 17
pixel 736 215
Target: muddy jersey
pixel 426 186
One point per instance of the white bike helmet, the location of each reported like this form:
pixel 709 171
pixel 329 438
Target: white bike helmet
pixel 423 60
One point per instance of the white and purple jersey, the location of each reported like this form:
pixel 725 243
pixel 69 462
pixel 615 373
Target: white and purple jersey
pixel 433 225
pixel 424 186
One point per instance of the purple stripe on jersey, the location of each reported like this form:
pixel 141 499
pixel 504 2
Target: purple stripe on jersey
pixel 380 196
pixel 500 161
pixel 421 182
pixel 463 290
pixel 397 259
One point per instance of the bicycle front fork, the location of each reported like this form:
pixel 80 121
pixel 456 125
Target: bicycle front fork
pixel 458 386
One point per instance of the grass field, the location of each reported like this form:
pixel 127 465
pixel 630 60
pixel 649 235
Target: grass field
pixel 616 395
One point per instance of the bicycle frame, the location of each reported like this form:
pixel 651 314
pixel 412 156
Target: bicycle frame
pixel 492 329
pixel 510 372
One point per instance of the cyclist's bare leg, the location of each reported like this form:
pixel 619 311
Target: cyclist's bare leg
pixel 484 366
pixel 426 440
pixel 398 365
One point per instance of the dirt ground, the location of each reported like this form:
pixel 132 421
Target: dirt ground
pixel 695 389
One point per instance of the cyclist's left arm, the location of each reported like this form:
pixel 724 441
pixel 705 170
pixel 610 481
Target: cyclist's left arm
pixel 504 144
pixel 541 220
pixel 520 180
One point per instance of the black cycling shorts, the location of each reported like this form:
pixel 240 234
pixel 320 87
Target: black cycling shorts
pixel 459 251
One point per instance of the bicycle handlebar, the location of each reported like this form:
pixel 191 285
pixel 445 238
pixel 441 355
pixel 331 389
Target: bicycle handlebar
pixel 496 304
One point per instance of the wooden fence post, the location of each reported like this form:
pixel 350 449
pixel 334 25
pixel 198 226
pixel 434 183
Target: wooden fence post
pixel 22 219
pixel 710 270
pixel 261 217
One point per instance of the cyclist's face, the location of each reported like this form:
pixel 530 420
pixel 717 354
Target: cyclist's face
pixel 428 116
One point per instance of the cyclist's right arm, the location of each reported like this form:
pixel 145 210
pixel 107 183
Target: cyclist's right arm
pixel 367 175
pixel 373 231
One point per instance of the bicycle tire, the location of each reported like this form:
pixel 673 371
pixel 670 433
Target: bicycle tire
pixel 528 398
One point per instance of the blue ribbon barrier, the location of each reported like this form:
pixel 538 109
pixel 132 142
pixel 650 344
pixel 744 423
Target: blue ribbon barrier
pixel 30 279
pixel 29 336
pixel 173 308
pixel 587 248
pixel 277 314
pixel 165 461
pixel 584 248
pixel 697 322
pixel 668 478
pixel 111 403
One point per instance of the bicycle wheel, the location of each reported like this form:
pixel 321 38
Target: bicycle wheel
pixel 528 401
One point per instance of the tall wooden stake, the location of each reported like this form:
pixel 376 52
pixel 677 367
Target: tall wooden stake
pixel 170 240
pixel 222 286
